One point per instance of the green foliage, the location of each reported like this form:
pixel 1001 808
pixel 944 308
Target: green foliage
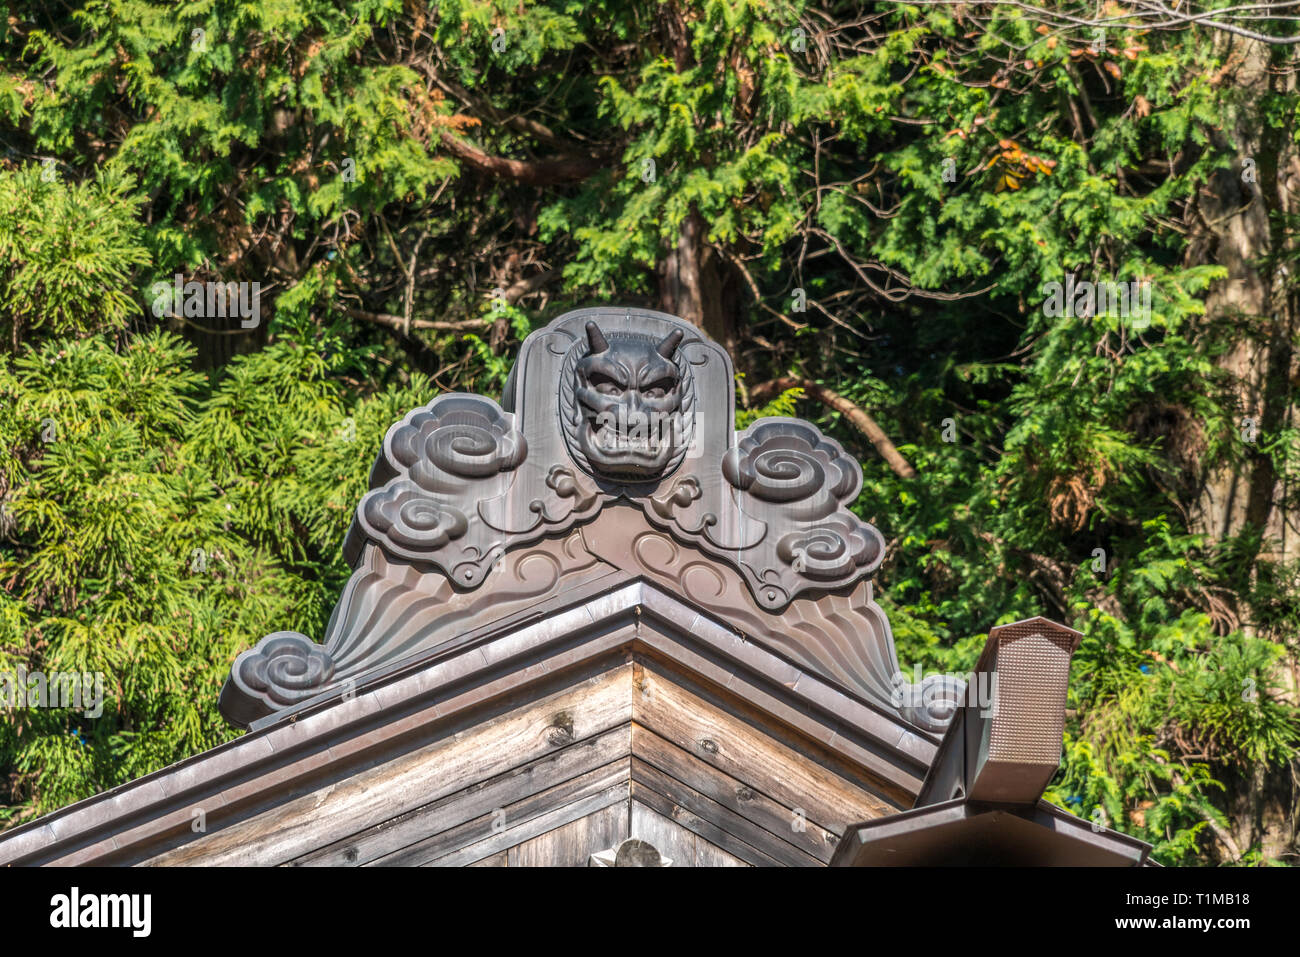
pixel 164 527
pixel 68 270
pixel 169 495
pixel 783 404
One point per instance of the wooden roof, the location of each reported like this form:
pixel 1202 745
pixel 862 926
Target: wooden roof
pixel 959 832
pixel 625 710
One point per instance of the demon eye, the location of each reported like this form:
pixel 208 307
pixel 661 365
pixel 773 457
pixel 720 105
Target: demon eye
pixel 604 384
pixel 659 389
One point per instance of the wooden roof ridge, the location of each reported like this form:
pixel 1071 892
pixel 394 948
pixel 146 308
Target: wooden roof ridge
pixel 337 730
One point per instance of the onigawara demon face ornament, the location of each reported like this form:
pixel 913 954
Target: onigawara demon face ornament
pixel 627 418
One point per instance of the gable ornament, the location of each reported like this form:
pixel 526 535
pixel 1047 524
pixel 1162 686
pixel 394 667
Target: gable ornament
pixel 475 504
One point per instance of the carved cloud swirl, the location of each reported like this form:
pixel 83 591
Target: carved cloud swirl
pixel 832 550
pixel 404 513
pixel 791 462
pixel 283 669
pixel 464 436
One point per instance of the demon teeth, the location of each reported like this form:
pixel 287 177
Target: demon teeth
pixel 608 440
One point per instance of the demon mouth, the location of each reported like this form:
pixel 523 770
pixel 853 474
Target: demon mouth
pixel 647 436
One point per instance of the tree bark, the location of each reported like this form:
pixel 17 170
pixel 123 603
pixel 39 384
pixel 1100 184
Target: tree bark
pixel 542 172
pixel 402 325
pixel 694 285
pixel 1242 227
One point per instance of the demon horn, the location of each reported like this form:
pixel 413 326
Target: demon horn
pixel 595 338
pixel 669 345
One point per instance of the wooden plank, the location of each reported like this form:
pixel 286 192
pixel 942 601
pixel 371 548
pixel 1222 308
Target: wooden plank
pixel 738 796
pixel 572 844
pixel 683 847
pixel 474 802
pixel 333 812
pixel 497 823
pixel 862 741
pixel 496 860
pixel 701 828
pixel 792 772
pixel 549 818
pixel 395 801
pixel 671 840
pixel 706 809
pixel 710 855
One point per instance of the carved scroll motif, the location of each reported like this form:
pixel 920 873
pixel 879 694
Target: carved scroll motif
pixel 472 510
pixel 280 670
pixel 457 488
pixel 391 610
pixel 781 518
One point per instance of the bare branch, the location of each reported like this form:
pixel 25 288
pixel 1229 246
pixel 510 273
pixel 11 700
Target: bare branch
pixel 857 417
pixel 542 172
pixel 1146 17
pixel 526 287
pixel 398 323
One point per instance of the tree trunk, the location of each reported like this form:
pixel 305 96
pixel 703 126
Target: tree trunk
pixel 1242 228
pixel 694 285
